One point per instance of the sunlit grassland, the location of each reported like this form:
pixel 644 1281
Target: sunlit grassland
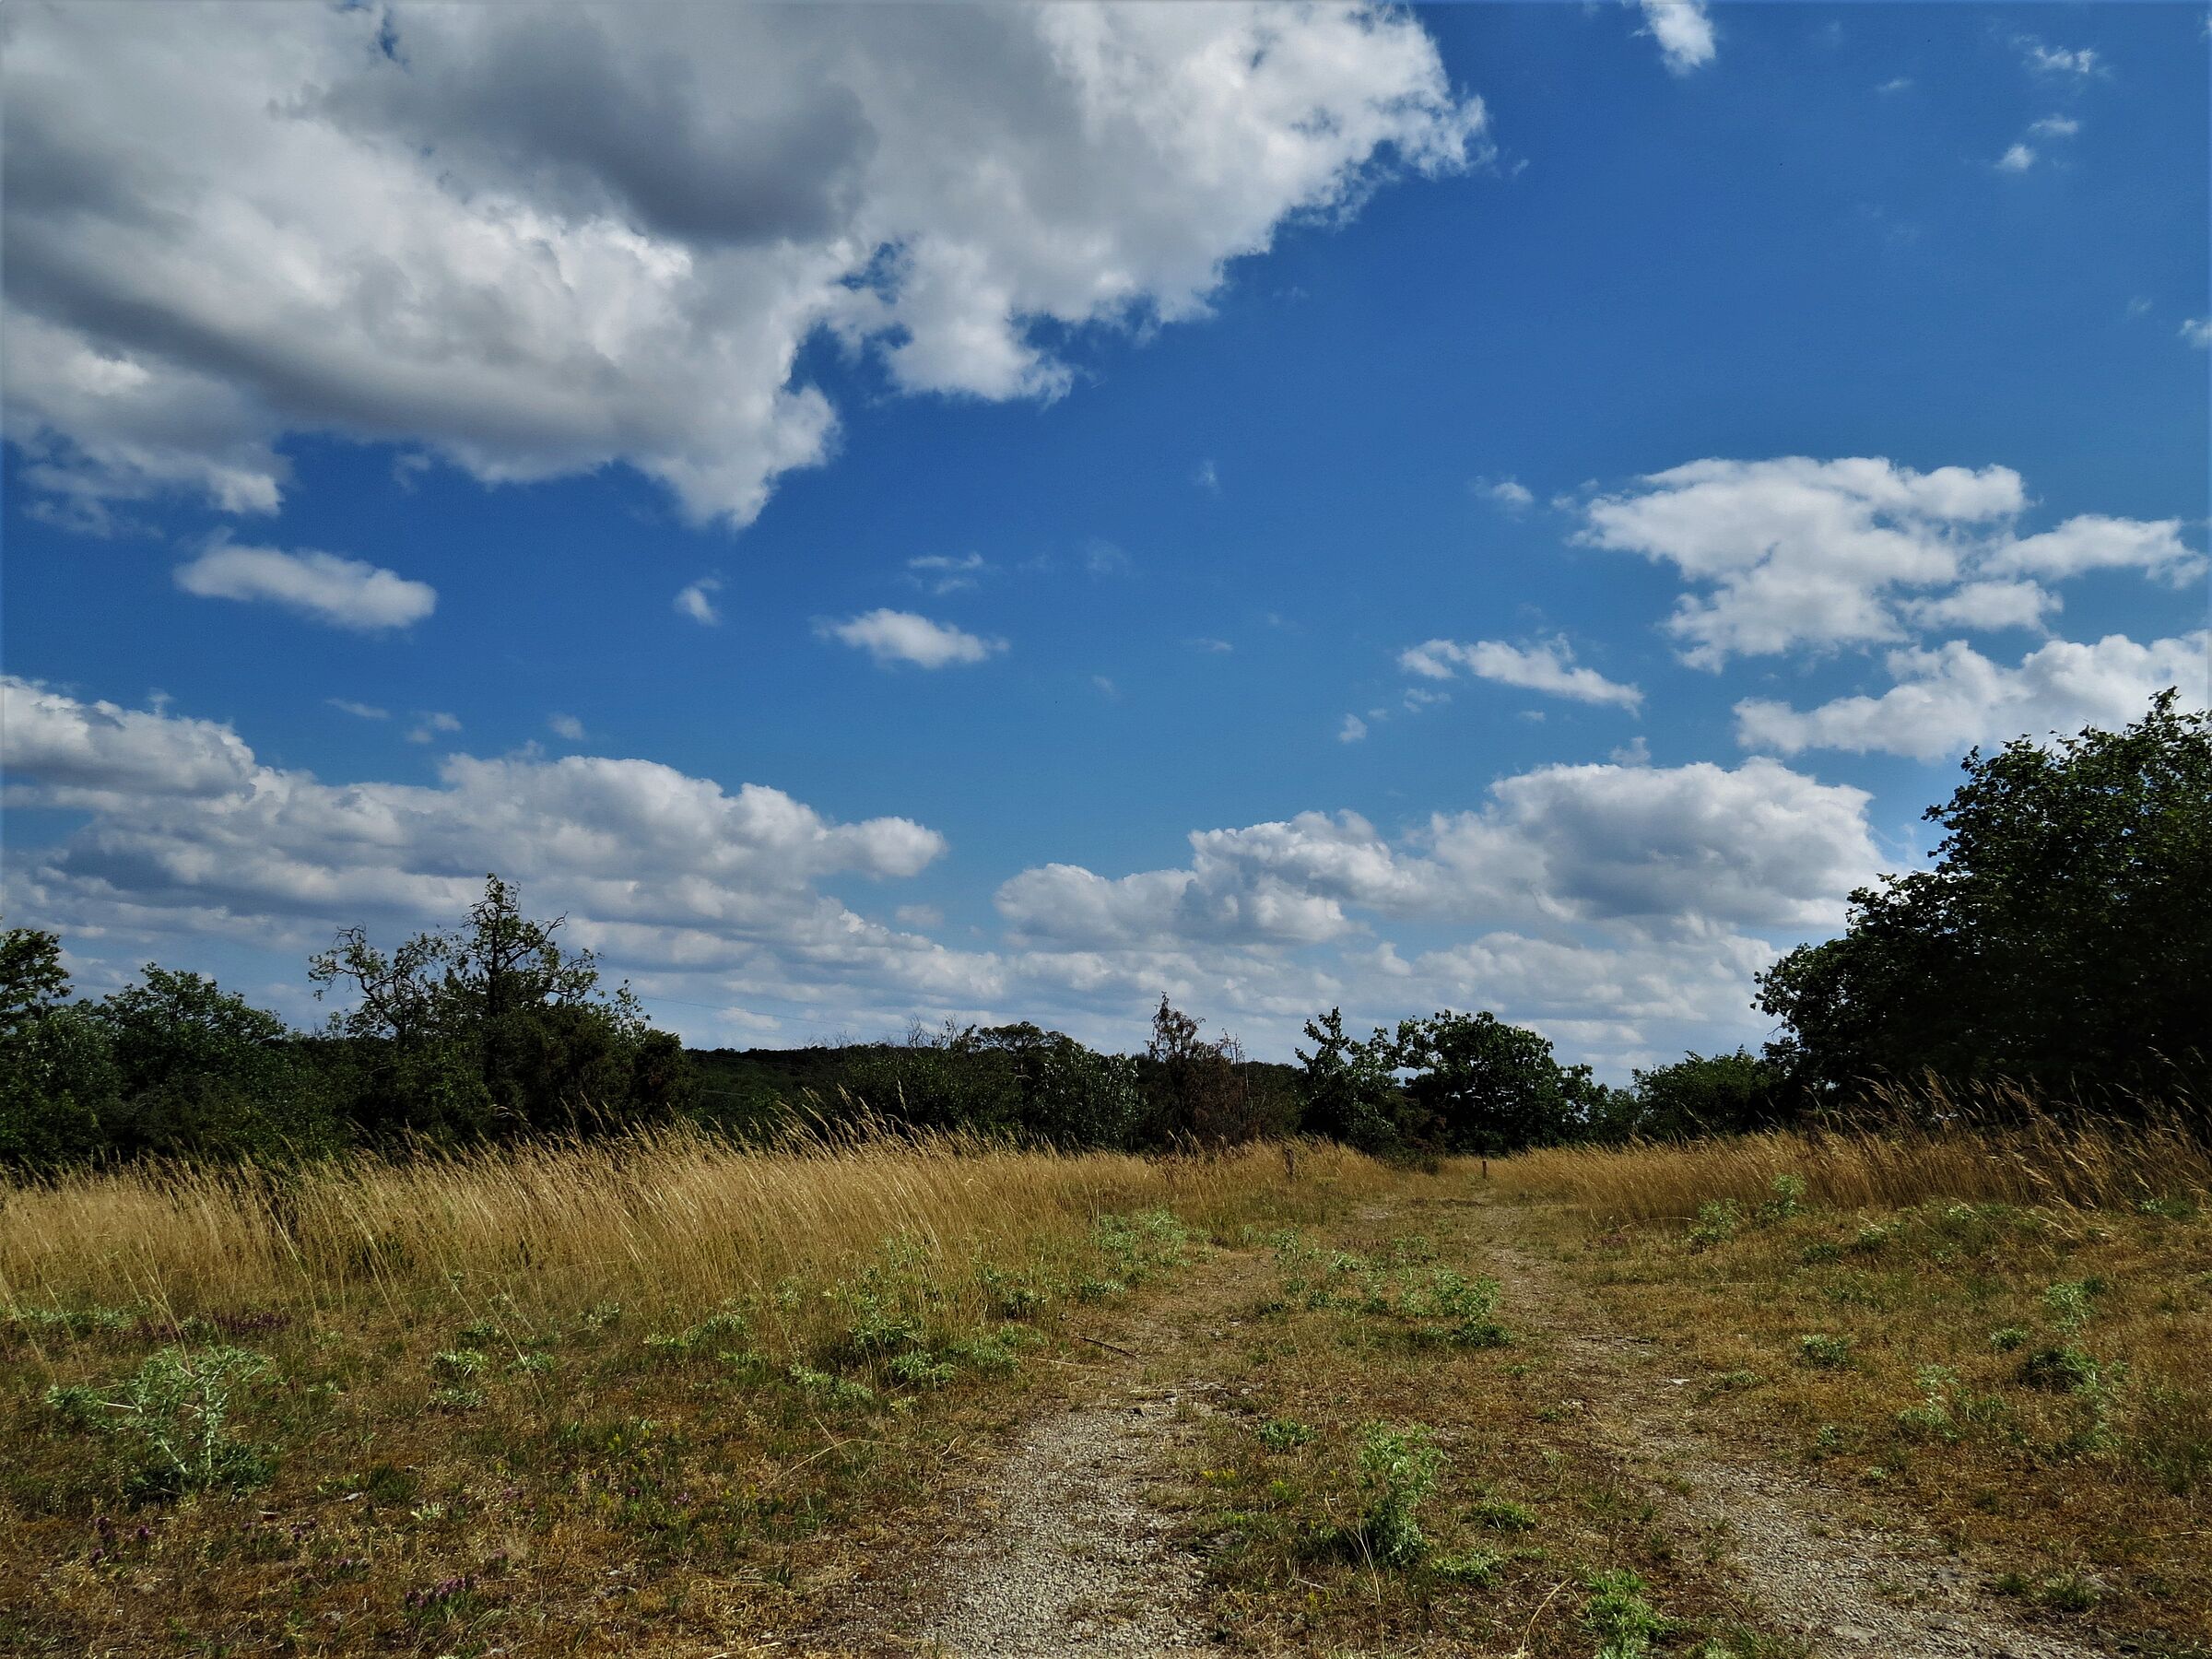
pixel 2001 1335
pixel 555 1398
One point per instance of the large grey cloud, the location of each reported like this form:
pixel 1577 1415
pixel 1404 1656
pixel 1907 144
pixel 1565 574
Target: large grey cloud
pixel 537 239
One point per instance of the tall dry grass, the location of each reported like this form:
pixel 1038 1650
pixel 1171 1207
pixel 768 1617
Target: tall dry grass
pixel 671 1219
pixel 1997 1147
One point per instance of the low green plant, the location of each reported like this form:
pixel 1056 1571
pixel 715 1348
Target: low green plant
pixel 1948 1407
pixel 1719 1220
pixel 1468 1307
pixel 916 1369
pixel 1619 1616
pixel 174 1412
pixel 1478 1568
pixel 1503 1514
pixel 836 1390
pixel 1398 1469
pixel 1284 1434
pixel 458 1365
pixel 2067 1592
pixel 1823 1352
pixel 1787 1200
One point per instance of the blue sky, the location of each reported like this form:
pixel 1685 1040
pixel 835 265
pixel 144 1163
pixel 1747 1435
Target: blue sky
pixel 1502 506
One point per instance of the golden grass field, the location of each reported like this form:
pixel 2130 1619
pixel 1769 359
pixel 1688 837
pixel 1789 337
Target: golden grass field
pixel 666 1394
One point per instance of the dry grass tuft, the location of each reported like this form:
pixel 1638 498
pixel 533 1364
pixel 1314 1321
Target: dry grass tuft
pixel 2000 1147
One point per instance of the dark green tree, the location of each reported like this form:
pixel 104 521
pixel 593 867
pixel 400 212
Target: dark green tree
pixel 493 1029
pixel 1698 1095
pixel 32 979
pixel 1347 1089
pixel 1478 1085
pixel 58 1083
pixel 203 1073
pixel 2063 937
pixel 1202 1091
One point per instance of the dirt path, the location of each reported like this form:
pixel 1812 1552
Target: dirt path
pixel 1063 1552
pixel 1851 1587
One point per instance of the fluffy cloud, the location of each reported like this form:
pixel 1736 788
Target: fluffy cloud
pixel 1545 667
pixel 1984 604
pixel 1794 552
pixel 91 755
pixel 1695 850
pixel 535 241
pixel 1622 908
pixel 2197 331
pixel 1683 31
pixel 191 835
pixel 346 592
pixel 892 636
pixel 2018 157
pixel 1950 698
pixel 697 601
pixel 2093 542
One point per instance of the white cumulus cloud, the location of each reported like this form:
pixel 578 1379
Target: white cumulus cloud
pixel 1684 31
pixel 1797 552
pixel 536 240
pixel 697 601
pixel 192 836
pixel 346 592
pixel 892 636
pixel 1547 666
pixel 1952 698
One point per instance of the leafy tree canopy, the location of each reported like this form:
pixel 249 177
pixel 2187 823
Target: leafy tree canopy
pixel 2064 935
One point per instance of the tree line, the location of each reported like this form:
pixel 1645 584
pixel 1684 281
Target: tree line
pixel 2062 939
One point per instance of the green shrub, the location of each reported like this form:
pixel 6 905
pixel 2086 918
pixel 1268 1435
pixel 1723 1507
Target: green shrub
pixel 1719 1220
pixel 174 1414
pixel 1397 1472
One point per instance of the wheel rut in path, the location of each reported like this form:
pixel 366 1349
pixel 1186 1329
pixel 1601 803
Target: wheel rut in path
pixel 1853 1588
pixel 1063 1554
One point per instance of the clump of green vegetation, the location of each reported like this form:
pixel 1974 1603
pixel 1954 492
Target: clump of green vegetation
pixel 836 1390
pixel 1398 1468
pixel 1617 1616
pixel 1948 1407
pixel 1823 1352
pixel 720 1333
pixel 1503 1514
pixel 1141 1246
pixel 1478 1568
pixel 916 1369
pixel 1468 1307
pixel 173 1413
pixel 1284 1434
pixel 1787 1200
pixel 459 1365
pixel 1719 1220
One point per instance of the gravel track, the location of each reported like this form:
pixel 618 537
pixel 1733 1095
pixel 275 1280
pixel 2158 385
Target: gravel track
pixel 1850 1588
